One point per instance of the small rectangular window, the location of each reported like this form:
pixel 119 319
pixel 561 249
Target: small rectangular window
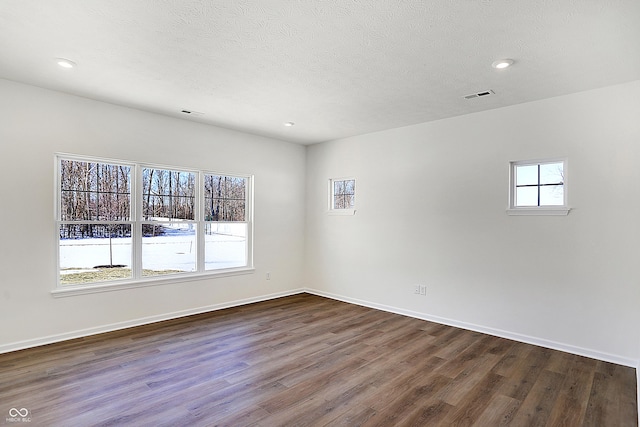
pixel 538 188
pixel 342 194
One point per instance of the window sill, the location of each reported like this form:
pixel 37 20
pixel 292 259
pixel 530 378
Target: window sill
pixel 342 212
pixel 71 290
pixel 560 210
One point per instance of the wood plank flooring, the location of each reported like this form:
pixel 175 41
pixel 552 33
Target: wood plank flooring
pixel 309 361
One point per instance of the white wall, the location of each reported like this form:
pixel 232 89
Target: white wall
pixel 431 203
pixel 36 123
pixel 431 209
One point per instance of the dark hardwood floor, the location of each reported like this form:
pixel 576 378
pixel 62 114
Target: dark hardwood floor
pixel 309 361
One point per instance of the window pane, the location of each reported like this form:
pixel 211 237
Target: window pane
pixel 552 195
pixel 344 194
pixel 94 191
pixel 551 173
pixel 349 201
pixel 94 252
pixel 527 175
pixel 527 196
pixel 168 195
pixel 225 245
pixel 168 248
pixel 350 186
pixel 225 198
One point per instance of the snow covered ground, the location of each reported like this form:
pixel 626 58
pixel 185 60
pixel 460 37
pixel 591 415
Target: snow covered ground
pixel 174 251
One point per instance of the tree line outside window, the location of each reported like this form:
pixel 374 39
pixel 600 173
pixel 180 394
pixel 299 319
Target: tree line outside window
pixel 102 192
pixel 94 192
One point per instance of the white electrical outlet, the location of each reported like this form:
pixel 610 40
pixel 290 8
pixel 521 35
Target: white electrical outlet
pixel 268 275
pixel 423 289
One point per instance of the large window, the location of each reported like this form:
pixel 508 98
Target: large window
pixel 121 221
pixel 538 187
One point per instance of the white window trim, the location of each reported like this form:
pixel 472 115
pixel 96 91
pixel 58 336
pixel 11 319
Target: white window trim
pixel 107 286
pixel 538 210
pixel 330 209
pixel 136 210
pixel 343 212
pixel 559 210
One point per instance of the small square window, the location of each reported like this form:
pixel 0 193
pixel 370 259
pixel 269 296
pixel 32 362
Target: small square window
pixel 538 188
pixel 342 195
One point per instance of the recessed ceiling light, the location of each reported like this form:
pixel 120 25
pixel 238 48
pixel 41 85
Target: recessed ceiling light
pixel 289 124
pixel 502 64
pixel 65 63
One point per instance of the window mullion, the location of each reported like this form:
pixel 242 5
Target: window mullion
pixel 248 218
pixel 136 217
pixel 538 185
pixel 200 217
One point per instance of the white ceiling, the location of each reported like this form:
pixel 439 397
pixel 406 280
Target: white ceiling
pixel 334 67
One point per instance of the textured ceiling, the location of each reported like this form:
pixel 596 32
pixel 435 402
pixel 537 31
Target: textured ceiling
pixel 334 67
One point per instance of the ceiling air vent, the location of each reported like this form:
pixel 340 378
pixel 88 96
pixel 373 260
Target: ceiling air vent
pixel 191 112
pixel 480 94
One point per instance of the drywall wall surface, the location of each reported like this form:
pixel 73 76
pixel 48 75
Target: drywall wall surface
pixel 431 205
pixel 37 123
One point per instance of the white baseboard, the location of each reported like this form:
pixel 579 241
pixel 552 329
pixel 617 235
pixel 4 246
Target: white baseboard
pixel 567 348
pixel 6 348
pixel 464 325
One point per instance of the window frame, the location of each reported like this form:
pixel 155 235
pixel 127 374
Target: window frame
pixel 136 220
pixel 542 209
pixel 332 210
